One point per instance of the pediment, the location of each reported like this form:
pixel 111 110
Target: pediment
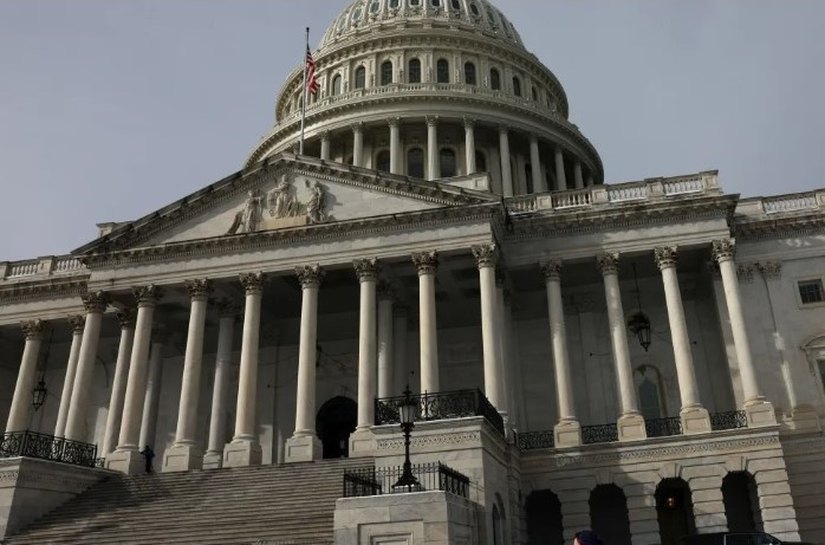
pixel 285 193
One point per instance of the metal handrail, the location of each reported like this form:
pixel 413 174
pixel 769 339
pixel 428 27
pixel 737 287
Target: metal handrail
pixel 47 447
pixel 440 406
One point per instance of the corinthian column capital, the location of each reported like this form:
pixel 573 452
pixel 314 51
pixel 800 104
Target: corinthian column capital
pixel 95 302
pixel 771 270
pixel 486 255
pixel 608 263
pixel 198 289
pixel 551 269
pixel 147 296
pixel 723 250
pixel 666 256
pixel 126 318
pixel 34 329
pixel 432 120
pixel 425 262
pixel 309 276
pixel 253 282
pixel 366 269
pixel 77 323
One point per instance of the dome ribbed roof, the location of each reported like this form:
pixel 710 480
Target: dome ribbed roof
pixel 478 16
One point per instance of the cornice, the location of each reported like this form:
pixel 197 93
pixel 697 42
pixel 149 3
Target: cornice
pixel 49 288
pixel 776 227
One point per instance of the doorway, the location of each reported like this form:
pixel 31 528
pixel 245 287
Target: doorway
pixel 741 502
pixel 608 514
pixel 674 507
pixel 335 422
pixel 544 524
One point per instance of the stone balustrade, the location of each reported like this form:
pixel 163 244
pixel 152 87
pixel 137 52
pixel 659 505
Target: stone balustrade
pixel 790 204
pixel 40 267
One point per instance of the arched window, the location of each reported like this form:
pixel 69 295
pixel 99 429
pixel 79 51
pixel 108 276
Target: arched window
pixel 415 163
pixel 741 502
pixel 382 161
pixel 360 77
pixel 481 162
pixel 442 69
pixel 495 80
pixel 674 509
pixel 516 86
pixel 544 522
pixel 386 73
pixel 608 514
pixel 455 4
pixel 414 71
pixel 336 85
pixel 649 383
pixel 448 163
pixel 469 73
pixel 499 521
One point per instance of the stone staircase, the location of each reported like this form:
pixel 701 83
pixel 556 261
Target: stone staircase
pixel 277 504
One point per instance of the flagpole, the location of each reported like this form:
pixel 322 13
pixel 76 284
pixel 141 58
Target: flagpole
pixel 304 101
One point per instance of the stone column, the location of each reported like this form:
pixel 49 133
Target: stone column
pixel 304 445
pixel 486 258
pixel 77 323
pixel 561 181
pixel 95 304
pixel 504 154
pixel 539 183
pixel 186 454
pixel 244 450
pixel 695 418
pixel 395 145
pixel 759 411
pixel 151 400
pixel 21 402
pixel 470 145
pixel 399 349
pixel 386 377
pixel 213 459
pixel 631 424
pixel 426 264
pixel 433 165
pixel 124 352
pixel 126 458
pixel 358 144
pixel 568 429
pixel 325 148
pixel 577 174
pixel 362 440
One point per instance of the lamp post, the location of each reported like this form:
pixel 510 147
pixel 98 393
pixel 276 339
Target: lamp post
pixel 39 394
pixel 406 410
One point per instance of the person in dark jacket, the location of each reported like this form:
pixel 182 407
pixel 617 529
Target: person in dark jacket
pixel 587 537
pixel 148 455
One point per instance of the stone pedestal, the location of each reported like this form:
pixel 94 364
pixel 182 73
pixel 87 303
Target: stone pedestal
pixel 128 461
pixel 803 418
pixel 183 457
pixel 242 453
pixel 362 443
pixel 213 460
pixel 303 448
pixel 760 414
pixel 568 433
pixel 695 420
pixel 631 427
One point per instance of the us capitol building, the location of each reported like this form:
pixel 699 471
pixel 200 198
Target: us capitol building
pixel 642 358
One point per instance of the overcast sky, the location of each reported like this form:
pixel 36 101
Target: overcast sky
pixel 112 109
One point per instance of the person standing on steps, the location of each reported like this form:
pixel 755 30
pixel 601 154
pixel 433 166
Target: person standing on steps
pixel 148 455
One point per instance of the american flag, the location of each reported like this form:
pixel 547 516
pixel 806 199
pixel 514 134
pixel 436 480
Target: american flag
pixel 312 81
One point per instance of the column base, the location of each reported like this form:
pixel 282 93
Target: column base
pixel 128 460
pixel 213 459
pixel 303 448
pixel 695 420
pixel 568 433
pixel 242 453
pixel 182 457
pixel 803 418
pixel 760 414
pixel 631 427
pixel 362 443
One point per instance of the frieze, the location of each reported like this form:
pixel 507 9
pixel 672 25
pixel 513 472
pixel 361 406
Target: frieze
pixel 434 440
pixel 42 290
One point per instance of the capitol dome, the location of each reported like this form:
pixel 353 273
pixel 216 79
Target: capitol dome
pixel 435 89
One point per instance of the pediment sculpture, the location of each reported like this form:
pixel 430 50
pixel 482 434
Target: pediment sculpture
pixel 280 208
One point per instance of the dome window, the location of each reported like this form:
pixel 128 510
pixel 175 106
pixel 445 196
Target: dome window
pixel 535 94
pixel 481 162
pixel 469 73
pixel 360 77
pixel 356 14
pixel 414 71
pixel 474 9
pixel 495 80
pixel 491 18
pixel 516 86
pixel 415 3
pixel 442 71
pixel 336 85
pixel 435 3
pixel 447 162
pixel 456 4
pixel 382 161
pixel 375 6
pixel 394 4
pixel 415 163
pixel 386 73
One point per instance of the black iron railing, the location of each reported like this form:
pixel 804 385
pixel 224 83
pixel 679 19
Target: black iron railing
pixel 441 406
pixel 664 427
pixel 47 447
pixel 532 440
pixel 604 433
pixel 730 420
pixel 378 481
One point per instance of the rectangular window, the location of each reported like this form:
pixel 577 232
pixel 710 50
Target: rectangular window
pixel 811 291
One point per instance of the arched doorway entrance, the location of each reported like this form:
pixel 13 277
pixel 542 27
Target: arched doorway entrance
pixel 336 420
pixel 544 524
pixel 608 514
pixel 741 502
pixel 674 507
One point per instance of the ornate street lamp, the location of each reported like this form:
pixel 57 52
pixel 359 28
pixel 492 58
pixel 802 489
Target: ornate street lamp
pixel 39 394
pixel 639 323
pixel 406 409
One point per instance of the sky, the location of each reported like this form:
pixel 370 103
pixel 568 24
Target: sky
pixel 111 109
